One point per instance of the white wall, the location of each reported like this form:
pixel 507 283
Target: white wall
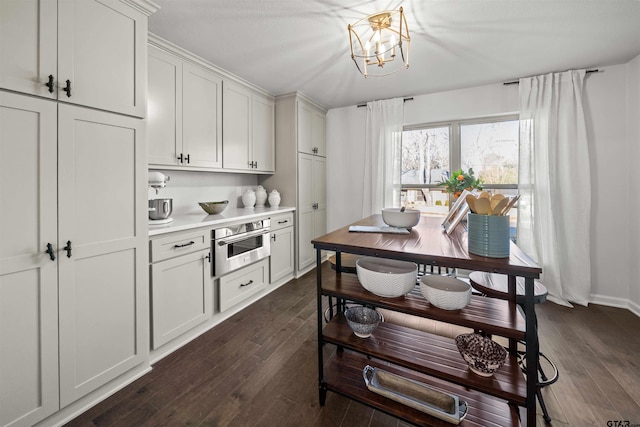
pixel 606 110
pixel 188 188
pixel 633 159
pixel 345 165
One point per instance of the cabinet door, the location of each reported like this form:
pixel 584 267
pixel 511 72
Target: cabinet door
pixel 164 118
pixel 28 276
pixel 102 196
pixel 181 296
pixel 201 117
pixel 102 47
pixel 306 201
pixel 282 256
pixel 237 127
pixel 263 131
pixel 28 34
pixel 304 124
pixel 319 168
pixel 318 133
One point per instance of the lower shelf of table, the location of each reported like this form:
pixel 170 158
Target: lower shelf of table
pixel 343 375
pixel 430 354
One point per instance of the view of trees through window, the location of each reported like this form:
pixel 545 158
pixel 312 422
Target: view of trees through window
pixel 491 149
pixel 430 153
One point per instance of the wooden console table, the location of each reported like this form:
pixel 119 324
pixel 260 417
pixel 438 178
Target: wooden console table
pixel 419 355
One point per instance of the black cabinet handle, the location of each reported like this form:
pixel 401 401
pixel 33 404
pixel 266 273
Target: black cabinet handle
pixel 50 251
pixel 284 221
pixel 49 83
pixel 68 248
pixel 273 237
pixel 185 244
pixel 246 284
pixel 188 158
pixel 67 88
pixel 180 158
pixel 251 165
pixel 208 257
pixel 255 164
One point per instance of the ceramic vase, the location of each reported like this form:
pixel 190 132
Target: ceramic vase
pixel 249 198
pixel 274 198
pixel 261 196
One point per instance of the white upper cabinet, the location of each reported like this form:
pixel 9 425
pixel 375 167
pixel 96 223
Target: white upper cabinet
pixel 248 130
pixel 201 117
pixel 311 130
pixel 164 117
pixel 185 113
pixel 85 52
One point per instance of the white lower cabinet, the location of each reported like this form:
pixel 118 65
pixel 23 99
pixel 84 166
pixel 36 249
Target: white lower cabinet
pixel 239 285
pixel 282 261
pixel 181 295
pixel 28 275
pixel 73 300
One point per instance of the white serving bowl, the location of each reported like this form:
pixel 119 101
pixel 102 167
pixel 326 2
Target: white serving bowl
pixel 445 292
pixel 386 277
pixel 394 218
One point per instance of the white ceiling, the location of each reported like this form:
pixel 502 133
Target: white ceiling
pixel 302 45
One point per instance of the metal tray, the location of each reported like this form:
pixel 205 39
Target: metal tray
pixel 415 394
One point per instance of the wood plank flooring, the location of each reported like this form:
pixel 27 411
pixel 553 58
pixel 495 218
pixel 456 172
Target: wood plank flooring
pixel 258 368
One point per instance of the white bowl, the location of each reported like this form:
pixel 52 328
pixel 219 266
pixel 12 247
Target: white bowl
pixel 394 218
pixel 386 277
pixel 445 292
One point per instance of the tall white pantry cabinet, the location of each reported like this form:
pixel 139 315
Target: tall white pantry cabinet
pixel 74 315
pixel 300 175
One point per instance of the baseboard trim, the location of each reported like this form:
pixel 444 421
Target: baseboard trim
pixel 615 302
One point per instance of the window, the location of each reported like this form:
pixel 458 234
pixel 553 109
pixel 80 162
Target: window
pixel 431 152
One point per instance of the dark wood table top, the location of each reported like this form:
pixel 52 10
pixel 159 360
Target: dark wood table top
pixel 426 244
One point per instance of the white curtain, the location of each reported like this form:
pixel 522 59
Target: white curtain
pixel 554 210
pixel 382 155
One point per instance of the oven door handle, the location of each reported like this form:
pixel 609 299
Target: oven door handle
pixel 244 236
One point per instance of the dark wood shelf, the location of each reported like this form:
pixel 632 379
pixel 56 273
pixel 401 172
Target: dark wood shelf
pixel 343 375
pixel 490 315
pixel 429 354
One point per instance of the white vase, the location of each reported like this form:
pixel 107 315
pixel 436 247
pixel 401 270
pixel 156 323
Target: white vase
pixel 261 196
pixel 249 198
pixel 274 198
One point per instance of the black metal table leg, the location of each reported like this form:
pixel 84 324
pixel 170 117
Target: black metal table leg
pixel 533 347
pixel 322 386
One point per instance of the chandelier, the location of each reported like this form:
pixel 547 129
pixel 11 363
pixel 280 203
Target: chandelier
pixel 377 39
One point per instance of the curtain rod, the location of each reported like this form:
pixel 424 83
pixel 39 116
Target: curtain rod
pixel 517 82
pixel 405 100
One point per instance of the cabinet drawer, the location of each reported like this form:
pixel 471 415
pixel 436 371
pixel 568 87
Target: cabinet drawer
pixel 241 284
pixel 283 220
pixel 180 243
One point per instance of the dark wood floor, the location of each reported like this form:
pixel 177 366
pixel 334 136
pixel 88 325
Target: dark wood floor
pixel 258 368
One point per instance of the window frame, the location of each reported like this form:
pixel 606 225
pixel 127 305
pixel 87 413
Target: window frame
pixel 455 147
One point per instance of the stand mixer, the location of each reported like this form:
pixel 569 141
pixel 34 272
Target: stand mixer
pixel 159 209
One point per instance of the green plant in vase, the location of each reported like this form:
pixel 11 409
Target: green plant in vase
pixel 460 181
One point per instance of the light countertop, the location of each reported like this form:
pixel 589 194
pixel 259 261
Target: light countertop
pixel 229 215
